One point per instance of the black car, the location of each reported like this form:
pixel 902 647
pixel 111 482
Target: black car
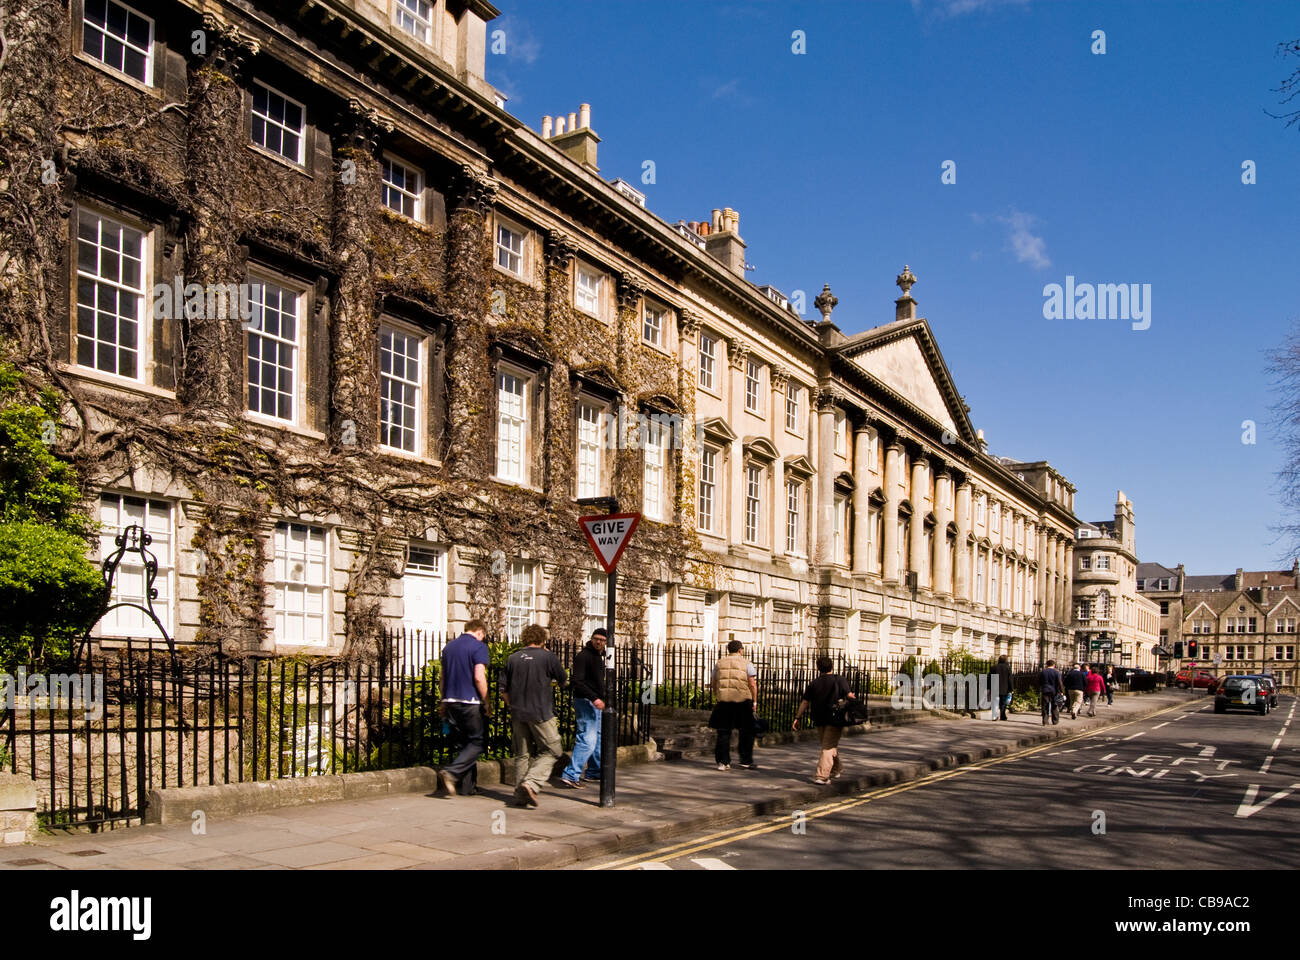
pixel 1241 692
pixel 1268 685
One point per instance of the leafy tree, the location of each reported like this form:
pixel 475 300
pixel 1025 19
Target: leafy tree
pixel 50 592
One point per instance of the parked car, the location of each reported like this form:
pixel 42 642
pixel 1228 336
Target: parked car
pixel 1268 685
pixel 1240 692
pixel 1194 678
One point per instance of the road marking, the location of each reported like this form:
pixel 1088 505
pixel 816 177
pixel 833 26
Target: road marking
pixel 1135 736
pixel 1267 761
pixel 1276 743
pixel 654 865
pixel 711 863
pixel 782 821
pixel 1248 805
pixel 1159 725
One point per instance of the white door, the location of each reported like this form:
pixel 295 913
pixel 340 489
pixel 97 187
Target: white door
pixel 656 633
pixel 710 624
pixel 424 607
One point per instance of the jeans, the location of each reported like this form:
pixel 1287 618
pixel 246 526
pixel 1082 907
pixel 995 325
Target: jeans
pixel 1110 695
pixel 737 716
pixel 1005 702
pixel 469 740
pixel 1048 702
pixel 536 747
pixel 586 748
pixel 828 764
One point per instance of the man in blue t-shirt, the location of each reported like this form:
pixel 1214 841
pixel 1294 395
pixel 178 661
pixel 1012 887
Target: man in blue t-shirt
pixel 464 706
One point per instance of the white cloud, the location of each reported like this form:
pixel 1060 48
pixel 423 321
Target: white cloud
pixel 728 89
pixel 955 8
pixel 1028 247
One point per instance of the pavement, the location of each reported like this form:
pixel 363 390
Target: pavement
pixel 656 802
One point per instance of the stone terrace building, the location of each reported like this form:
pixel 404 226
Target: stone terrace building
pixel 1248 618
pixel 350 341
pixel 1107 605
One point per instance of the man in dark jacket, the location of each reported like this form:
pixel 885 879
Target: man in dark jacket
pixel 1050 684
pixel 1076 681
pixel 1002 672
pixel 588 704
pixel 527 691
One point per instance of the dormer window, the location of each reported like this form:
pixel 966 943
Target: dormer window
pixel 415 17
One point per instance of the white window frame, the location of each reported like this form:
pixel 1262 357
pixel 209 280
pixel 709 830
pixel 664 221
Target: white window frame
pixel 753 387
pixel 597 598
pixel 841 433
pixel 792 407
pixel 162 546
pixel 105 35
pixel 839 530
pixel 793 517
pixel 405 383
pixel 143 327
pixel 1103 562
pixel 259 282
pixel 507 250
pixel 388 188
pixel 526 382
pixel 285 585
pixel 655 469
pixel 753 531
pixel 587 297
pixel 707 373
pixel 267 121
pixel 520 586
pixel 589 441
pixel 419 27
pixel 653 332
pixel 707 502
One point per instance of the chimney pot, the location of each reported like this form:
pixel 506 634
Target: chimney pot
pixel 546 128
pixel 716 220
pixel 573 121
pixel 703 229
pixel 584 115
pixel 559 125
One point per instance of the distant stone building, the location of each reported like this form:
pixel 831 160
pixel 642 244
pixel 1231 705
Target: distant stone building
pixel 1247 619
pixel 351 342
pixel 1108 609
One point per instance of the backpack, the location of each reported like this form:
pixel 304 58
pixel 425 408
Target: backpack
pixel 848 712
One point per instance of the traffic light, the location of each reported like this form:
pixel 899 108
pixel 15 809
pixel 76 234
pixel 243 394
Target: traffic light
pixel 1191 648
pixel 1178 649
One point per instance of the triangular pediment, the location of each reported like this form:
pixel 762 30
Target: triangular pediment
pixel 903 357
pixel 1285 603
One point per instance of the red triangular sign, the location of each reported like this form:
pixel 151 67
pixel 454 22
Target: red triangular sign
pixel 609 536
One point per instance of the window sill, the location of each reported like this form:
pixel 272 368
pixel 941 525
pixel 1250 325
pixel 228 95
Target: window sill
pixel 149 88
pixel 516 277
pixel 282 160
pixel 274 424
pixel 517 484
pixel 99 378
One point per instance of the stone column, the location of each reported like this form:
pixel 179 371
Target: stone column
pixel 625 464
pixel 734 501
pixel 863 562
pixel 962 586
pixel 780 377
pixel 470 386
pixel 558 464
pixel 825 460
pixel 916 550
pixel 942 584
pixel 1067 578
pixel 1040 580
pixel 889 520
pixel 688 329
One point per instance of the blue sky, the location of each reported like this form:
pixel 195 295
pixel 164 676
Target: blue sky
pixel 1117 168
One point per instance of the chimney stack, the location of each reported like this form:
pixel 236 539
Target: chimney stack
pixel 1238 580
pixel 723 241
pixel 573 136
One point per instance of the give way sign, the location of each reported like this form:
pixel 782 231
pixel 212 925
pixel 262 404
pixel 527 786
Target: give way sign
pixel 609 535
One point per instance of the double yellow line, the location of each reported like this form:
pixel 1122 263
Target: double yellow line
pixel 784 822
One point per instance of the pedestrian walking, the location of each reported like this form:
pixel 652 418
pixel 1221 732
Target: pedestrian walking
pixel 588 709
pixel 1050 685
pixel 1075 684
pixel 819 699
pixel 1110 685
pixel 1095 684
pixel 527 691
pixel 735 687
pixel 464 707
pixel 1002 671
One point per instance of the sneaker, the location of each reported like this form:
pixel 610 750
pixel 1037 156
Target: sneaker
pixel 820 781
pixel 448 782
pixel 571 784
pixel 588 778
pixel 724 766
pixel 749 766
pixel 836 776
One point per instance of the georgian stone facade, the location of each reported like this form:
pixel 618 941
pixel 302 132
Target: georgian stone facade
pixel 457 328
pixel 1107 605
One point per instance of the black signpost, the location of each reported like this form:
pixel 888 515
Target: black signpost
pixel 608 536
